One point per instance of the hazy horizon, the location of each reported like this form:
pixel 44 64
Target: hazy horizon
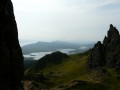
pixel 65 20
pixel 27 42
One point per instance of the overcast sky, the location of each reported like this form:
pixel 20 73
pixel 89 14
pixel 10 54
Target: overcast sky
pixel 65 20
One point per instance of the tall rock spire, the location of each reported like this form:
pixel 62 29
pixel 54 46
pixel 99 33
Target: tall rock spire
pixel 107 53
pixel 113 32
pixel 11 58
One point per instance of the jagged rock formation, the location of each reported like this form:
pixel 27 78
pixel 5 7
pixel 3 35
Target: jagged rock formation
pixel 97 56
pixel 11 59
pixel 107 53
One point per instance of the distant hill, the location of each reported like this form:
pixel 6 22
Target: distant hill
pixel 53 58
pixel 50 46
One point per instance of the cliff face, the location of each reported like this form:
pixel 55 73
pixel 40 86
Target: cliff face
pixel 107 53
pixel 11 58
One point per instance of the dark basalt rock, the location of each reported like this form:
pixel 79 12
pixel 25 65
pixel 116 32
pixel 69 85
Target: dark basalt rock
pixel 97 56
pixel 107 53
pixel 113 32
pixel 11 58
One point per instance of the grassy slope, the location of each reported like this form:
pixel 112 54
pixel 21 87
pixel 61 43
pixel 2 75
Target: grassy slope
pixel 68 71
pixel 75 68
pixel 111 80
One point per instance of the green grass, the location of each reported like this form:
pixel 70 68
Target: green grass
pixel 71 68
pixel 75 68
pixel 111 79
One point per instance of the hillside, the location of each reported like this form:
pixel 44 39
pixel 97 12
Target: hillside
pixel 28 62
pixel 63 73
pixel 53 59
pixel 73 74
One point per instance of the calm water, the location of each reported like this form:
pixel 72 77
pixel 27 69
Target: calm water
pixel 38 55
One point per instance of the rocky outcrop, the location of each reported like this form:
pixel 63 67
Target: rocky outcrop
pixel 32 85
pixel 97 56
pixel 11 59
pixel 107 53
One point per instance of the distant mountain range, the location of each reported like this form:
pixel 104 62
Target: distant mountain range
pixel 52 46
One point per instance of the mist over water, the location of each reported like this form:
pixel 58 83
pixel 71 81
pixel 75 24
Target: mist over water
pixel 38 55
